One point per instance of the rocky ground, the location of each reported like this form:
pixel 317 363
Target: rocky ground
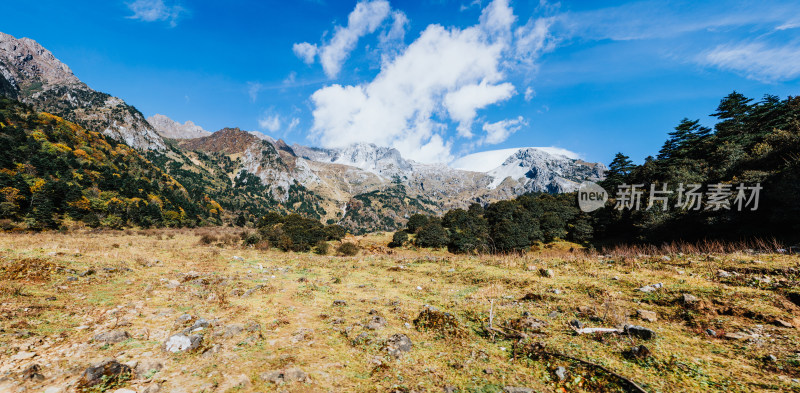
pixel 157 311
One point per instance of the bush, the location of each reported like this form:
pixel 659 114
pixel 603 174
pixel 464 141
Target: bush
pixel 250 238
pixel 347 249
pixel 334 232
pixel 432 235
pixel 207 238
pixel 322 247
pixel 416 222
pixel 399 239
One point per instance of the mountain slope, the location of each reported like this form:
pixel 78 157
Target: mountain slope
pixel 53 171
pixel 31 74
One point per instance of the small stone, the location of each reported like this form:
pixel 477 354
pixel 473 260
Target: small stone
pixel 397 344
pixel 108 371
pixel 112 337
pixel 238 258
pixel 33 373
pixel 648 316
pixel 736 336
pixel 651 287
pixel 377 322
pixel 711 332
pixel 148 366
pixel 182 343
pixel 723 274
pixel 770 358
pixel 275 376
pixel 640 332
pixel 295 374
pixel 339 303
pixel 449 389
pixel 548 273
pixel 23 355
pixel 638 352
pixel 688 299
pixel 124 390
pixel 561 373
pixel 782 323
pixel 553 314
pixel 183 319
pixel 516 389
pixel 154 388
pixel 576 324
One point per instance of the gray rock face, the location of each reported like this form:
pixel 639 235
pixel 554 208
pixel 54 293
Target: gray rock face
pixel 169 128
pixel 33 75
pixel 182 343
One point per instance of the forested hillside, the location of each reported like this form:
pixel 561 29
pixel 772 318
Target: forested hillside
pixel 745 172
pixel 54 172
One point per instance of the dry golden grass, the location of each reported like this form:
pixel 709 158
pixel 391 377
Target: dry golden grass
pixel 142 281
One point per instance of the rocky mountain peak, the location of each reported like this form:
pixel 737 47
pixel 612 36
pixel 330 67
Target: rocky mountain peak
pixel 28 62
pixel 169 128
pixel 227 140
pixel 32 74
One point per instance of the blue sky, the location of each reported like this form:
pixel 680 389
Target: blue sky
pixel 436 79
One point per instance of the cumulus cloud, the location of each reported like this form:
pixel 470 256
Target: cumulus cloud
pixel 390 42
pixel 365 18
pixel 305 51
pixel 529 93
pixel 270 122
pixel 445 76
pixel 500 131
pixel 155 11
pixel 756 61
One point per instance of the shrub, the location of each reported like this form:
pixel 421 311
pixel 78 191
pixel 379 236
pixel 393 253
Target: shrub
pixel 208 238
pixel 432 235
pixel 347 249
pixel 398 239
pixel 416 222
pixel 322 247
pixel 251 239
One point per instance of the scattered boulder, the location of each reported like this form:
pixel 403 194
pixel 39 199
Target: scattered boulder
pixel 33 373
pixel 561 373
pixel 376 322
pixel 649 316
pixel 398 344
pixel 515 389
pixel 148 366
pixel 639 332
pixel 723 274
pixel 547 273
pixel 782 323
pixel 108 372
pixel 292 374
pixel 183 343
pixel 637 352
pixel 112 337
pixel 688 299
pixel 651 288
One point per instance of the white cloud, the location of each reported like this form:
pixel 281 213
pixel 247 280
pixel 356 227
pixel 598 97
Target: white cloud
pixel 756 61
pixel 155 11
pixel 500 131
pixel 253 89
pixel 270 122
pixel 534 38
pixel 462 104
pixel 305 51
pixel 365 18
pixel 294 123
pixel 529 93
pixel 445 75
pixel 390 42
